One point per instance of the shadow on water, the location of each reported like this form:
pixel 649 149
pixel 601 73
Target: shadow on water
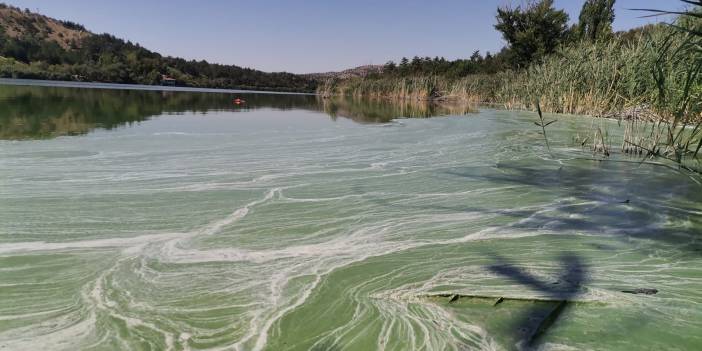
pixel 565 287
pixel 532 324
pixel 618 199
pixel 623 201
pixel 36 112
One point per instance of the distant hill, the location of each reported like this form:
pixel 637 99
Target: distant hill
pixel 18 24
pixel 358 72
pixel 39 47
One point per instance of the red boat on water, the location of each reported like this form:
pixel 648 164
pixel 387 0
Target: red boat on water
pixel 239 101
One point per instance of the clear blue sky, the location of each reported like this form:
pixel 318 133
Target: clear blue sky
pixel 307 35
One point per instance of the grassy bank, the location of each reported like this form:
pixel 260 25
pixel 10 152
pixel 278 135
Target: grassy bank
pixel 650 69
pixel 365 110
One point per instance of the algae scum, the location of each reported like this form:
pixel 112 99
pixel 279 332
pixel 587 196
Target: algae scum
pixel 172 220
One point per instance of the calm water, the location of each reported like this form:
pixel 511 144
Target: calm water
pixel 179 220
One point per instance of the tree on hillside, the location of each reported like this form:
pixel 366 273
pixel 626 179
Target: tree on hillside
pixel 475 57
pixel 390 67
pixel 596 18
pixel 531 31
pixel 103 57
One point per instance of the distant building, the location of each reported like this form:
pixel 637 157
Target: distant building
pixel 166 80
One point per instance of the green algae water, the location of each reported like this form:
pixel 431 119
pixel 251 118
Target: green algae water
pixel 166 220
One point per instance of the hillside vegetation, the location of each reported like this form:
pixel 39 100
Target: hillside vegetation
pixel 38 47
pixel 356 72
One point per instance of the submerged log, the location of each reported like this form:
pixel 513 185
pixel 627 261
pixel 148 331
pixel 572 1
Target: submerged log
pixel 645 291
pixel 496 300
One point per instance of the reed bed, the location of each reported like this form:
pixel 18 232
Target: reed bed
pixel 609 78
pixel 652 80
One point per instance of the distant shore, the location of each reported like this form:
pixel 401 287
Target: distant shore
pixel 118 86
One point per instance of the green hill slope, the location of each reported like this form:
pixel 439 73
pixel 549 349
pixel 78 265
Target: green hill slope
pixel 39 47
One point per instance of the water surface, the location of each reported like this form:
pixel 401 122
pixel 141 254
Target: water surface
pixel 179 220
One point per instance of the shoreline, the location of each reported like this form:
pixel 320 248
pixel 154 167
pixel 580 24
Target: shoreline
pixel 120 86
pixel 634 113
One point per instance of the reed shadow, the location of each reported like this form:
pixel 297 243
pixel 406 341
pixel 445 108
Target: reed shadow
pixel 618 200
pixel 605 198
pixel 600 198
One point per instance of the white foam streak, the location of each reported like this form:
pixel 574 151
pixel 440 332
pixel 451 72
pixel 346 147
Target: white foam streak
pixel 316 260
pixel 39 246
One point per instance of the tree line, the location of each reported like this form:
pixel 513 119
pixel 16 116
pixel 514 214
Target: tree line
pixel 532 31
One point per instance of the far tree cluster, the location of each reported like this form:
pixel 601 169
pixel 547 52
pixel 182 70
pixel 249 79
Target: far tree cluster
pixel 477 63
pixel 532 31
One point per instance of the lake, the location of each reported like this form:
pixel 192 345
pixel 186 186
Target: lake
pixel 180 220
